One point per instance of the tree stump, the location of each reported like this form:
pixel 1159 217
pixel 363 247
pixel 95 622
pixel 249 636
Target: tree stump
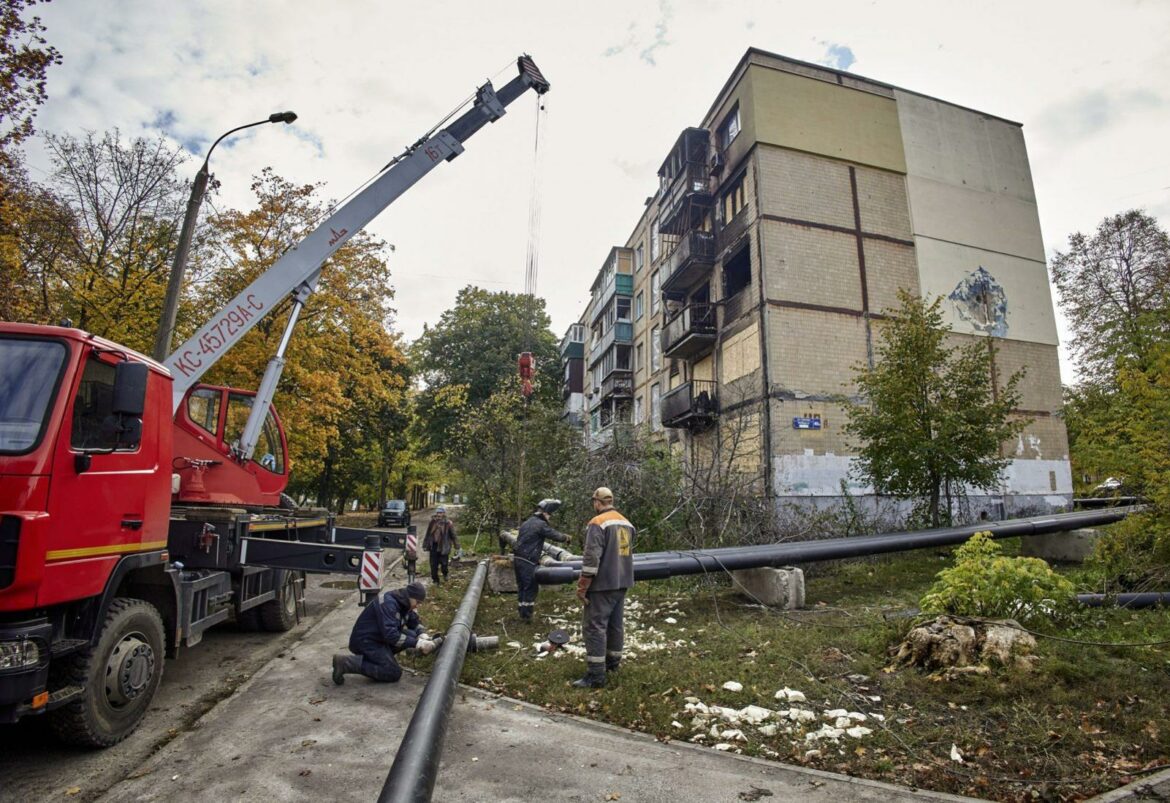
pixel 966 646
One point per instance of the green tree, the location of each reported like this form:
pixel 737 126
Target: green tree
pixel 508 452
pixel 931 422
pixel 646 479
pixel 1114 288
pixel 475 345
pixel 345 377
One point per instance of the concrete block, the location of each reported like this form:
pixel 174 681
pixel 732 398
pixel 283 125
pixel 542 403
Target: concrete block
pixel 501 579
pixel 779 588
pixel 1068 547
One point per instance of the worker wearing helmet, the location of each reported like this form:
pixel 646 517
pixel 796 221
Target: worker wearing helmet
pixel 607 571
pixel 529 545
pixel 388 625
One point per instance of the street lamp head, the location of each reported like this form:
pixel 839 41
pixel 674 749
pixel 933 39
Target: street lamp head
pixel 282 117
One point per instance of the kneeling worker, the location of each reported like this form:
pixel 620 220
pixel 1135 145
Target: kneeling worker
pixel 388 625
pixel 529 546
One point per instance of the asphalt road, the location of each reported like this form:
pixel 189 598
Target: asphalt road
pixel 35 767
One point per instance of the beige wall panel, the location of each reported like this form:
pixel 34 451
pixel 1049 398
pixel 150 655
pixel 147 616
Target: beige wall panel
pixel 881 200
pixel 830 439
pixel 814 352
pixel 1040 388
pixel 995 222
pixel 805 187
pixel 888 267
pixel 742 95
pixel 741 354
pixel 963 148
pixel 811 266
pixel 1045 438
pixel 943 266
pixel 827 119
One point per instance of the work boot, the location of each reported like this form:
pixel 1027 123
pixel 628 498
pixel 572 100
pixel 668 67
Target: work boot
pixel 613 664
pixel 594 678
pixel 345 665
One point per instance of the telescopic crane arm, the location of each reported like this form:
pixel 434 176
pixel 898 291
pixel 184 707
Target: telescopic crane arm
pixel 297 271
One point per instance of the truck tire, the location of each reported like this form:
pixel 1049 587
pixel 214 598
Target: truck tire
pixel 120 675
pixel 280 615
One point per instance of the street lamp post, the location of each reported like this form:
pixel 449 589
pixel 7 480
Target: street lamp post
pixel 166 325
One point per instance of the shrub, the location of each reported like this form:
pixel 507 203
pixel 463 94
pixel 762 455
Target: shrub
pixel 1134 554
pixel 983 582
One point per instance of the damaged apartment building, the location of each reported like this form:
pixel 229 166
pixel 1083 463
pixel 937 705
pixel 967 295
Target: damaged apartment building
pixel 756 280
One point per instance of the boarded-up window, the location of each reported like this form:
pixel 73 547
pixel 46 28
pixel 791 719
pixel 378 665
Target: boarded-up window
pixel 741 354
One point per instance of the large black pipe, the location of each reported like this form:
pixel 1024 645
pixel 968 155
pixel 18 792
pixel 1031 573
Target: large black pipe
pixel 655 566
pixel 1146 599
pixel 555 553
pixel 416 766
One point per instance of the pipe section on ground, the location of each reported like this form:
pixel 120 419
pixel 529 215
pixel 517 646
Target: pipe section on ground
pixel 656 566
pixel 554 552
pixel 1146 599
pixel 416 766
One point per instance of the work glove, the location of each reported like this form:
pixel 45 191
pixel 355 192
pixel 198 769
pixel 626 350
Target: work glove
pixel 425 646
pixel 583 583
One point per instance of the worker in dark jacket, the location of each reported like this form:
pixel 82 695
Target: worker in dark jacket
pixel 607 571
pixel 388 625
pixel 527 552
pixel 439 541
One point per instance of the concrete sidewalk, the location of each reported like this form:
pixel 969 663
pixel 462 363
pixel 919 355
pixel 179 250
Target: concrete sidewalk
pixel 290 734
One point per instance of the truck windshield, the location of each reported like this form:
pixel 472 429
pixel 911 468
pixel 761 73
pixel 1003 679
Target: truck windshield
pixel 29 373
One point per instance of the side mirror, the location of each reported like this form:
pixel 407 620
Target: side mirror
pixel 130 388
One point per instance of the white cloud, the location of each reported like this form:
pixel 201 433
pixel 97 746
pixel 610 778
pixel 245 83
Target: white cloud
pixel 368 78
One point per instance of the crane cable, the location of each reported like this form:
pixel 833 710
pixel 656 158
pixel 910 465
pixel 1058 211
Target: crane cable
pixel 533 258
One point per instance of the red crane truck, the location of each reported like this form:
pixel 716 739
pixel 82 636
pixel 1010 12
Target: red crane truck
pixel 139 507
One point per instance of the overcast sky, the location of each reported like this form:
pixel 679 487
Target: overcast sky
pixel 1088 80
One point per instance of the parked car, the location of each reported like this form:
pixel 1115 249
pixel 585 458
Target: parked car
pixel 395 513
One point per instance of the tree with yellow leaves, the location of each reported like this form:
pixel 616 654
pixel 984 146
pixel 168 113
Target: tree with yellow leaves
pixel 343 394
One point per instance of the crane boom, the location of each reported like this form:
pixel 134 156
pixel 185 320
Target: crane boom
pixel 297 271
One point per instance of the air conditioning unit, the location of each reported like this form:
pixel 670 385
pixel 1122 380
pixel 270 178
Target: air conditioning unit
pixel 717 163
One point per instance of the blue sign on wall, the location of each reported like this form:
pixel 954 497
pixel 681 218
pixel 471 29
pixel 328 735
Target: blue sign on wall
pixel 811 422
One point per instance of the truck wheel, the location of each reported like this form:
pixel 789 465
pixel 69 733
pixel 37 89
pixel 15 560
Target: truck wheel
pixel 280 615
pixel 120 676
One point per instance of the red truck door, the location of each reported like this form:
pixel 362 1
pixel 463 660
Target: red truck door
pixel 107 498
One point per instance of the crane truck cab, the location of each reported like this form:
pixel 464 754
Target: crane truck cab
pixel 99 488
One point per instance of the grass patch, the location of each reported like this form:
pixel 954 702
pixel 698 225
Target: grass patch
pixel 1087 720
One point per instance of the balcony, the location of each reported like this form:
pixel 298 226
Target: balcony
pixel 622 332
pixel 622 285
pixel 690 261
pixel 618 385
pixel 690 332
pixel 573 343
pixel 687 198
pixel 692 405
pixel 686 190
pixel 732 232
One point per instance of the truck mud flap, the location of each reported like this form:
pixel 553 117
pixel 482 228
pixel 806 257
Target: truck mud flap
pixel 301 556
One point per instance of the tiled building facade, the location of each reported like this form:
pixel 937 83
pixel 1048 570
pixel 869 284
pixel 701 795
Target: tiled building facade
pixel 783 226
